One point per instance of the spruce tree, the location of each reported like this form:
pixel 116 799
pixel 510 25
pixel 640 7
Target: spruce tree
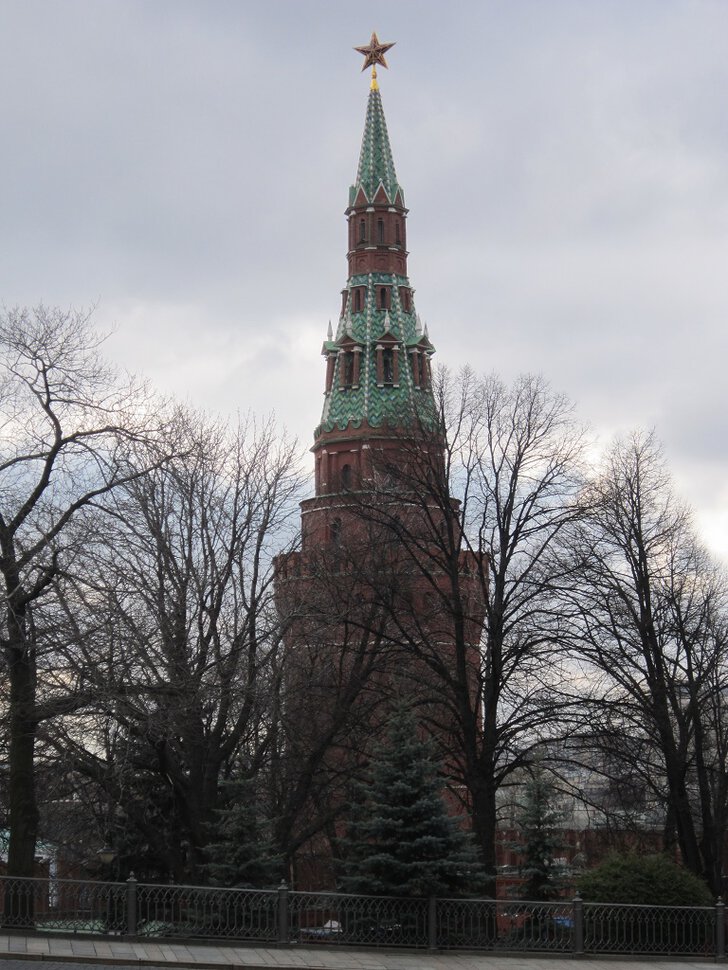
pixel 240 852
pixel 540 830
pixel 401 841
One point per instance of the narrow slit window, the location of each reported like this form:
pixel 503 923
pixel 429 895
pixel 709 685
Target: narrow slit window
pixel 388 365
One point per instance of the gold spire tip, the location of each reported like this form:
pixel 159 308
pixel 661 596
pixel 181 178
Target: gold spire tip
pixel 374 86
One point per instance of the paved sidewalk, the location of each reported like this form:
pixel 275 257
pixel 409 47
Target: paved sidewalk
pixel 128 953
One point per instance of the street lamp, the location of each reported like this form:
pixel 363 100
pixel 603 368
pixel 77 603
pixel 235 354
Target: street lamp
pixel 106 855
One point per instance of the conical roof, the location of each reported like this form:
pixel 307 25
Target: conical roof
pixel 376 165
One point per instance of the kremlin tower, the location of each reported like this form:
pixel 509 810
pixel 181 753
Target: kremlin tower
pixel 379 420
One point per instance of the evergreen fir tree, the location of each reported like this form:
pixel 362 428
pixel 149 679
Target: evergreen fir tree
pixel 241 853
pixel 539 823
pixel 401 841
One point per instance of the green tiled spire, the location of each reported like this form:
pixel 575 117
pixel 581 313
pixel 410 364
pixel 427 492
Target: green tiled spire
pixel 365 327
pixel 376 165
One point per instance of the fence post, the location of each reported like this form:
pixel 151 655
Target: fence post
pixel 131 905
pixel 432 923
pixel 578 924
pixel 720 928
pixel 283 912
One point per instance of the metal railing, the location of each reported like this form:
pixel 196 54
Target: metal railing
pixel 282 916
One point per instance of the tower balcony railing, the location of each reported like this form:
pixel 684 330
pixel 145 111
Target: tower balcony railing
pixel 281 916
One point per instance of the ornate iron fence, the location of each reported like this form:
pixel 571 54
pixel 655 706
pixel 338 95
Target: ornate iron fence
pixel 282 916
pixel 202 911
pixel 504 924
pixel 359 920
pixel 63 905
pixel 674 930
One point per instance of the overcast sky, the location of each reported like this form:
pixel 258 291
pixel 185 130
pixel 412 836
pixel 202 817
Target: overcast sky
pixel 184 165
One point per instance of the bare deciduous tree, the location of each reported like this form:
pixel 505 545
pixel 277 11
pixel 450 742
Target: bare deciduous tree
pixel 477 509
pixel 184 664
pixel 651 625
pixel 67 428
pixel 334 682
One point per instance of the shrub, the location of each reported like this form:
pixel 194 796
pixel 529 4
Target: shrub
pixel 652 879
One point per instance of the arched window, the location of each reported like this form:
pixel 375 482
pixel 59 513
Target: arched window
pixel 345 477
pixel 398 233
pixel 357 300
pixel 388 365
pixel 383 299
pixel 362 231
pixel 335 533
pixel 380 230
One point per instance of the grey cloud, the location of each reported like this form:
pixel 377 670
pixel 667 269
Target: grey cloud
pixel 564 164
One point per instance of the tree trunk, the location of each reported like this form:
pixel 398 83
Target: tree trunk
pixel 482 793
pixel 24 815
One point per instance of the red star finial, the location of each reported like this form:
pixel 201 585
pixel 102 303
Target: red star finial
pixel 374 53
